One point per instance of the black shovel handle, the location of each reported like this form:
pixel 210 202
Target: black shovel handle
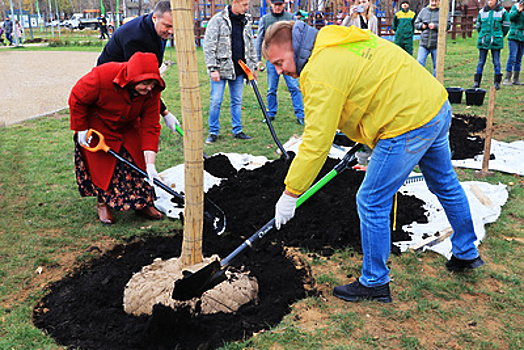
pixel 253 82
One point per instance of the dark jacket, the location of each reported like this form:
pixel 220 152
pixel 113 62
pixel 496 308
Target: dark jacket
pixel 492 25
pixel 8 26
pixel 101 100
pixel 136 35
pixel 429 37
pixel 304 38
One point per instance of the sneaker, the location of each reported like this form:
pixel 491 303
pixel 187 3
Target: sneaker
pixel 242 136
pixel 356 292
pixel 457 265
pixel 271 118
pixel 300 121
pixel 211 139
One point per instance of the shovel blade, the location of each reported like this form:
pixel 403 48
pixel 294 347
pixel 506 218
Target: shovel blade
pixel 195 284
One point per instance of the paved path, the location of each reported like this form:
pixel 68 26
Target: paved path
pixel 36 83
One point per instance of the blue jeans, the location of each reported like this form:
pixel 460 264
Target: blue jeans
pixel 516 50
pixel 272 86
pixel 495 56
pixel 217 95
pixel 423 55
pixel 392 162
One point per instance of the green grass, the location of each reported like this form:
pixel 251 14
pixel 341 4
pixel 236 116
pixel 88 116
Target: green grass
pixel 44 223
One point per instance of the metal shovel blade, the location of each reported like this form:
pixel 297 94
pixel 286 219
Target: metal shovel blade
pixel 195 284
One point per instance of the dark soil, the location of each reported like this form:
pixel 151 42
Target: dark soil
pixel 84 310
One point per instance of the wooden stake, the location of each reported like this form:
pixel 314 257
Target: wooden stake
pixel 489 133
pixel 442 35
pixel 192 120
pixel 432 240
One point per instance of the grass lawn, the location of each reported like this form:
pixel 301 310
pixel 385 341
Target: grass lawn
pixel 46 230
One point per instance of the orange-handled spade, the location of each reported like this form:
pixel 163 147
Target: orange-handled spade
pixel 212 213
pixel 253 82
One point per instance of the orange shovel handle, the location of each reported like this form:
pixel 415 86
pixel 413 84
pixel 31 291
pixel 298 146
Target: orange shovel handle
pixel 246 69
pixel 100 146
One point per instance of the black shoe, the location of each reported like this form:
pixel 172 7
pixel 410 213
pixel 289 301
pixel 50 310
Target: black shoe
pixel 211 139
pixel 456 265
pixel 271 118
pixel 356 292
pixel 300 121
pixel 242 136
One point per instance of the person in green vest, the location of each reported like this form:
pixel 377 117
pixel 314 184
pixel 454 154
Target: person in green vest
pixel 404 27
pixel 515 43
pixel 492 25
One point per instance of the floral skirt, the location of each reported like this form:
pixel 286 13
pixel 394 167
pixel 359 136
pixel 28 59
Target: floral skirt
pixel 127 189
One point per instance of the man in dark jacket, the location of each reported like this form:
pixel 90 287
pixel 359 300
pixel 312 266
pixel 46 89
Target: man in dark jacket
pixel 278 14
pixel 148 33
pixel 8 27
pixel 427 22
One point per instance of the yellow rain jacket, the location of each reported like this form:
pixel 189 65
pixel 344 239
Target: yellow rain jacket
pixel 363 85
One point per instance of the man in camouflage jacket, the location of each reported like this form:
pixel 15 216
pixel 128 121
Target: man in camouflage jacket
pixel 228 38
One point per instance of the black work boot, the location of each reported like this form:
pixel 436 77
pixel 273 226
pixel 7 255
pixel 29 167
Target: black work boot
pixel 477 79
pixel 507 79
pixel 516 80
pixel 356 292
pixel 457 265
pixel 497 80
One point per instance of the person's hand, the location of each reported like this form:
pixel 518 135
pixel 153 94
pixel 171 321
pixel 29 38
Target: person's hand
pixel 82 138
pixel 151 173
pixel 285 209
pixel 261 66
pixel 431 26
pixel 171 121
pixel 215 76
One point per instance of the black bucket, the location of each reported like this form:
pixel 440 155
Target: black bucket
pixel 455 94
pixel 475 97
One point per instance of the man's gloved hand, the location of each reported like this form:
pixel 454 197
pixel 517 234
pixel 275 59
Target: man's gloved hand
pixel 151 173
pixel 171 121
pixel 285 209
pixel 82 138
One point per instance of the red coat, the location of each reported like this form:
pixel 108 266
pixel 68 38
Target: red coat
pixel 101 100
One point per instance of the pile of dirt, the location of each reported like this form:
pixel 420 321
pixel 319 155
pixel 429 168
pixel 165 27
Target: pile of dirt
pixel 463 137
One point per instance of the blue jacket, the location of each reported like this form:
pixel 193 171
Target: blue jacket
pixel 304 38
pixel 136 35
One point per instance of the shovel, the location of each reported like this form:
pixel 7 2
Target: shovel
pixel 212 213
pixel 253 82
pixel 195 284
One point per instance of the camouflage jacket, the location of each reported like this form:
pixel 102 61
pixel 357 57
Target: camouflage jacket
pixel 217 45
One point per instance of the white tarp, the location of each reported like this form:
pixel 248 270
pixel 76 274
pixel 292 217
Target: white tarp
pixel 509 158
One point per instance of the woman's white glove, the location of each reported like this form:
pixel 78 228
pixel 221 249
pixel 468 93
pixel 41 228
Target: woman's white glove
pixel 82 138
pixel 151 173
pixel 285 209
pixel 171 121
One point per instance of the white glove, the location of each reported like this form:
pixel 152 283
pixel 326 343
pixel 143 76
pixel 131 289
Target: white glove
pixel 171 121
pixel 285 209
pixel 151 173
pixel 82 138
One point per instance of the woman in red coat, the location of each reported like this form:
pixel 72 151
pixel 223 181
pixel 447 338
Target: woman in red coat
pixel 122 101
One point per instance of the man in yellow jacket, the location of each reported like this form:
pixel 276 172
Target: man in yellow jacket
pixel 378 95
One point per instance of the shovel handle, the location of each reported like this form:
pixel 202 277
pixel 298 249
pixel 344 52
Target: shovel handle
pixel 100 146
pixel 246 70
